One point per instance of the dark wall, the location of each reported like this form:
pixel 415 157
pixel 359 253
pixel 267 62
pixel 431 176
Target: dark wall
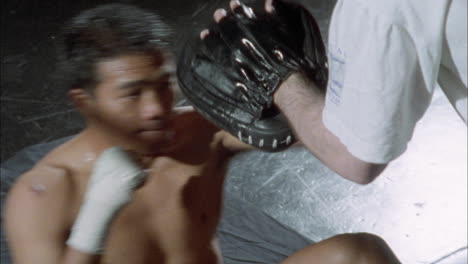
pixel 34 108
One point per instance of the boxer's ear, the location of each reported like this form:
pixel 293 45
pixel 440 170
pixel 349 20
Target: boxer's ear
pixel 80 98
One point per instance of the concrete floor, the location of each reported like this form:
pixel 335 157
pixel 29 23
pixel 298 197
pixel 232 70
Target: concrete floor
pixel 419 205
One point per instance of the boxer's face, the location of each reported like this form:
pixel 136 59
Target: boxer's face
pixel 133 99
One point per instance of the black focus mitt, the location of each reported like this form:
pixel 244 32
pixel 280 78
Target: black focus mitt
pixel 230 75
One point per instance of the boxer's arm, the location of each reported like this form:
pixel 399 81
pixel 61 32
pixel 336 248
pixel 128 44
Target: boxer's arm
pixel 39 210
pixel 302 103
pixel 231 143
pixel 234 145
pixel 36 219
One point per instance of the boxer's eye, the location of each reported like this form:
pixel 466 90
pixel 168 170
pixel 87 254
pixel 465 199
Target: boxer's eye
pixel 162 86
pixel 132 93
pixel 163 83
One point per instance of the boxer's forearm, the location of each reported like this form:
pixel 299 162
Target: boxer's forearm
pixel 65 255
pixel 73 256
pixel 303 105
pixel 115 177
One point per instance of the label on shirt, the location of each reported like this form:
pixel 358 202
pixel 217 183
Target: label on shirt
pixel 336 75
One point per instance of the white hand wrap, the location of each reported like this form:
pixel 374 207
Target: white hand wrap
pixel 115 176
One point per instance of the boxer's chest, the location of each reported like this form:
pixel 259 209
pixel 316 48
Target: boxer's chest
pixel 173 217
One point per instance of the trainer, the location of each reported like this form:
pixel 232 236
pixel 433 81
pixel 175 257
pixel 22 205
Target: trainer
pixel 354 109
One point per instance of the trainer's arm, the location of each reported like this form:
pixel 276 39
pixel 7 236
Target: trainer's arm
pixel 36 218
pixel 303 103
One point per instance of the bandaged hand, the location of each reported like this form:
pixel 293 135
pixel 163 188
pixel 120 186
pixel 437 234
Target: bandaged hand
pixel 114 179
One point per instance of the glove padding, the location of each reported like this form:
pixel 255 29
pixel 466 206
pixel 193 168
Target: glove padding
pixel 230 76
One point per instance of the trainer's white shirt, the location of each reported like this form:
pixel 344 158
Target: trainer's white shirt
pixel 385 58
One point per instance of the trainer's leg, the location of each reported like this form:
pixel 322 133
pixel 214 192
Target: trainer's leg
pixel 360 248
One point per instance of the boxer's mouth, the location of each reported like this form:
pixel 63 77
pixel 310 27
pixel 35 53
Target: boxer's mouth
pixel 159 126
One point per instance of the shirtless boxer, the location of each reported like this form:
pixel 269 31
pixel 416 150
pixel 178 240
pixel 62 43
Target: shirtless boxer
pixel 142 183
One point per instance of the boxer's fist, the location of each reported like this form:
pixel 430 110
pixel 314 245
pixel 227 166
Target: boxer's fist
pixel 114 178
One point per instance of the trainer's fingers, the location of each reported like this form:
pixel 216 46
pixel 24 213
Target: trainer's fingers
pixel 204 33
pixel 234 4
pixel 269 6
pixel 219 14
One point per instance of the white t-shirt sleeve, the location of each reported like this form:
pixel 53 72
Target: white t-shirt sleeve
pixel 376 90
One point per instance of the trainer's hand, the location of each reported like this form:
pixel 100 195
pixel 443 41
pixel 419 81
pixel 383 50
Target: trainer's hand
pixel 232 69
pixel 233 4
pixel 114 178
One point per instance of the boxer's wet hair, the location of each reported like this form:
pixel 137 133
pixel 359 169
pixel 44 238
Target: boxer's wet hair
pixel 104 32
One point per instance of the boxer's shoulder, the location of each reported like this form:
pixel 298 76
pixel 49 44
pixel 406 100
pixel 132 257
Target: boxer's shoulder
pixel 72 157
pixel 52 177
pixel 37 209
pixel 46 178
pixel 194 126
pixel 44 192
